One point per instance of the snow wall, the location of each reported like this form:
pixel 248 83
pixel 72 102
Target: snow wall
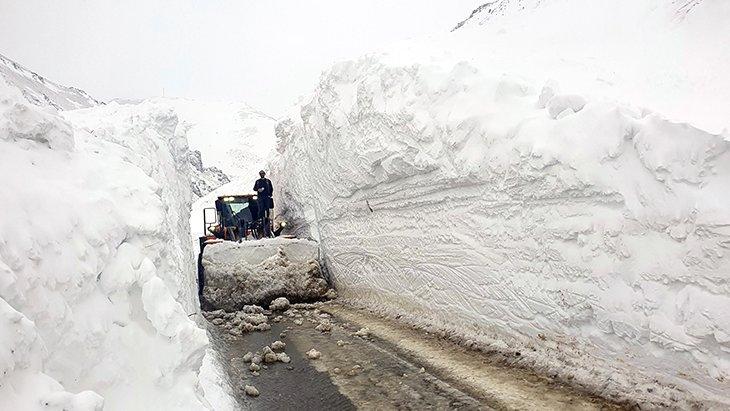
pixel 590 238
pixel 96 285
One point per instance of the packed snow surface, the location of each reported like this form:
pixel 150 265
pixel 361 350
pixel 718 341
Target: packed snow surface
pixel 257 272
pixel 455 183
pixel 96 280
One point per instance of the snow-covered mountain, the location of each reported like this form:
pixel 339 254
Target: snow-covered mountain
pixel 229 142
pixel 552 184
pixel 40 91
pixel 234 137
pixel 500 8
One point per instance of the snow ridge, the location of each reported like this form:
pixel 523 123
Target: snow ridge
pixel 42 92
pixel 500 8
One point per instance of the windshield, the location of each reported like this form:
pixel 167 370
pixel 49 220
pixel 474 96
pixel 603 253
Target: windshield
pixel 237 207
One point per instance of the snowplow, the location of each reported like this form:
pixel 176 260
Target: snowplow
pixel 237 218
pixel 239 264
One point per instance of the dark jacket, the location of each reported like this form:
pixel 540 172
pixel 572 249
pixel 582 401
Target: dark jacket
pixel 264 183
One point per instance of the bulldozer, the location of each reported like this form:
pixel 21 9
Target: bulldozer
pixel 234 218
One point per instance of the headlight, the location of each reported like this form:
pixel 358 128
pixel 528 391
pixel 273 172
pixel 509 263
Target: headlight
pixel 255 197
pixel 228 198
pixel 283 223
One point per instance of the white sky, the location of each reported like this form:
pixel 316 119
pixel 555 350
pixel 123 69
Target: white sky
pixel 264 52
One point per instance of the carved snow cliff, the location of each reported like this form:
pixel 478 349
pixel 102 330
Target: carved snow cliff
pixel 590 236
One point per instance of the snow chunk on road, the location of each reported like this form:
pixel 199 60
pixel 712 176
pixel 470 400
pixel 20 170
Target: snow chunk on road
pixel 279 304
pixel 255 272
pixel 251 391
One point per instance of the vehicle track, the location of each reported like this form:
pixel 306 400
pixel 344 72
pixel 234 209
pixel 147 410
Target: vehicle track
pixel 390 367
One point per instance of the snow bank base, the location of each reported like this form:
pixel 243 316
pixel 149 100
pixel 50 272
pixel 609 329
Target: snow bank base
pixel 256 272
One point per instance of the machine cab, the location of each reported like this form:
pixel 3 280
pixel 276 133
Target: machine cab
pixel 234 217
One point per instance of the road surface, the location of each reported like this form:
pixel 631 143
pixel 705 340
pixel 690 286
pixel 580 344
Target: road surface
pixel 391 366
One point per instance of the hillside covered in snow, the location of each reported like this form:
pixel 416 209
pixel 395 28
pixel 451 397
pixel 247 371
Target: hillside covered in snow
pixel 550 184
pixel 39 91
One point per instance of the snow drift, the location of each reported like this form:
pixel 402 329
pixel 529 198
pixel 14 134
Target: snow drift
pixel 257 272
pixel 95 260
pixel 587 234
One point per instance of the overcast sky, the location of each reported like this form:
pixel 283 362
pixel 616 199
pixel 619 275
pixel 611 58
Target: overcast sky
pixel 264 52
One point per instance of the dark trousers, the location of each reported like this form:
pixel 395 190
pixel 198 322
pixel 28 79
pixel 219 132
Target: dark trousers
pixel 265 212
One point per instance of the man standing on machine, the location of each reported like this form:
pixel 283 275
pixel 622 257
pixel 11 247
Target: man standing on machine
pixel 264 190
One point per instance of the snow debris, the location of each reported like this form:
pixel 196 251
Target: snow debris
pixel 252 309
pixel 263 327
pixel 341 343
pixel 278 345
pixel 362 332
pixel 253 272
pixel 313 354
pixel 269 355
pixel 298 321
pixel 251 391
pixel 256 359
pixel 324 326
pixel 331 294
pixel 279 304
pixel 283 357
pixel 247 357
pixel 355 370
pixel 254 367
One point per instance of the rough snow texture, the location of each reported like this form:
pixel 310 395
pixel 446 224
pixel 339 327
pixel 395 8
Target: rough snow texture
pixel 40 91
pixel 95 263
pixel 257 272
pixel 204 179
pixel 588 235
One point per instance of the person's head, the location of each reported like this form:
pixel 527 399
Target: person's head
pixel 262 173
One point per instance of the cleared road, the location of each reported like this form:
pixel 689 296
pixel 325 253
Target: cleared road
pixel 386 366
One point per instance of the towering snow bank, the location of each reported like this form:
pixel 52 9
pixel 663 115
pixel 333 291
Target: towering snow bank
pixel 587 235
pixel 40 91
pixel 95 264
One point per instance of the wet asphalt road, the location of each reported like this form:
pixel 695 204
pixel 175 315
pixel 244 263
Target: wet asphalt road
pixel 394 369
